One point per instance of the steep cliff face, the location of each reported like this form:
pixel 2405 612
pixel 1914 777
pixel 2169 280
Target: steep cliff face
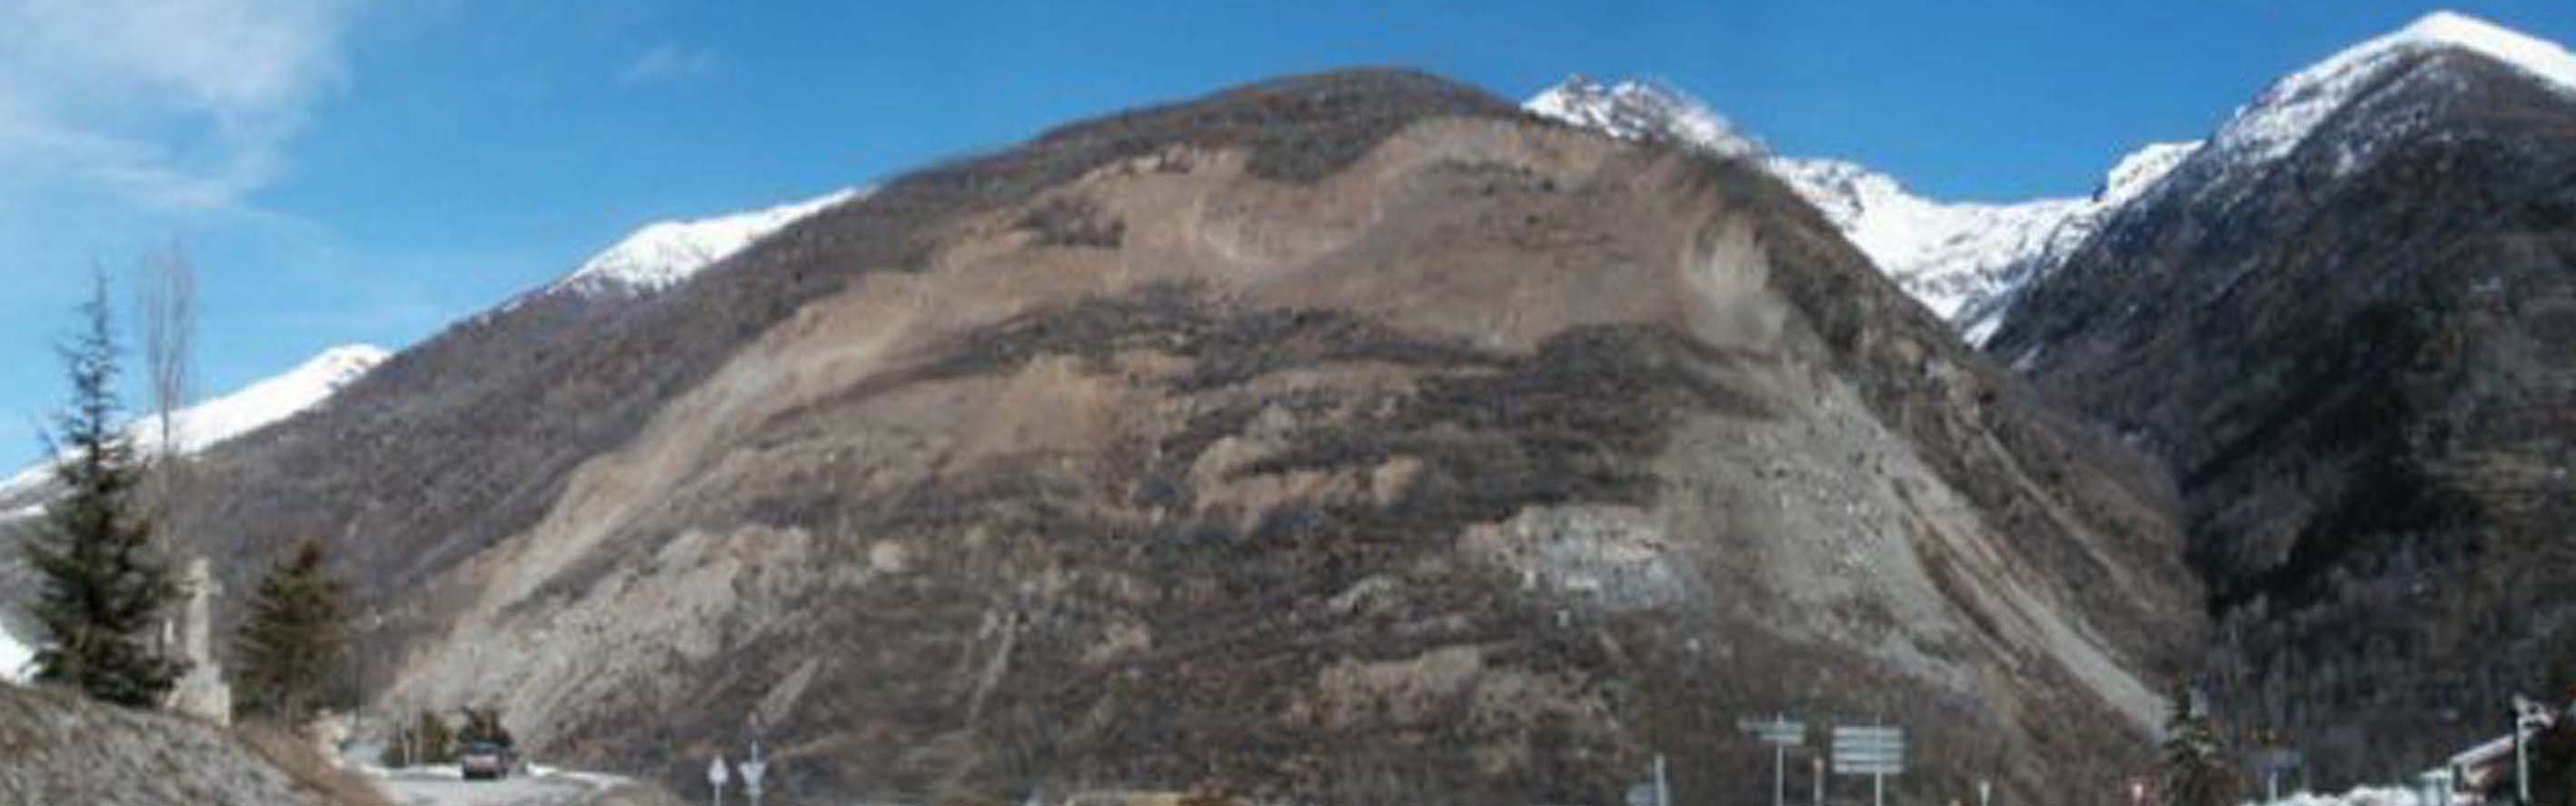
pixel 1344 438
pixel 2345 325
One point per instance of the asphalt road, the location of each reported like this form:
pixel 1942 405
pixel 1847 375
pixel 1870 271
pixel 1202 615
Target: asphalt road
pixel 440 786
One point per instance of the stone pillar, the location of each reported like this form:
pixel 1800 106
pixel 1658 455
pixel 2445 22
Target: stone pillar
pixel 202 693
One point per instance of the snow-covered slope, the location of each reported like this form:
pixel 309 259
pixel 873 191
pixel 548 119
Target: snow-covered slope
pixel 269 400
pixel 2284 115
pixel 665 252
pixel 1964 260
pixel 1641 109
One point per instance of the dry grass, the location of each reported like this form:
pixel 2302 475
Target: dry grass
pixel 301 761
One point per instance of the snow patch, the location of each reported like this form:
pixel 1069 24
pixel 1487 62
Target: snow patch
pixel 664 253
pixel 15 656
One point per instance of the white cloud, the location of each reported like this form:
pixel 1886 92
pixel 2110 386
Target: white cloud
pixel 185 104
pixel 667 63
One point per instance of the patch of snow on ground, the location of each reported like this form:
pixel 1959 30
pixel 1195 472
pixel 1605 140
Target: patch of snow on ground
pixel 15 655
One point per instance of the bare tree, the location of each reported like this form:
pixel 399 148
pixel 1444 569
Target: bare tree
pixel 166 298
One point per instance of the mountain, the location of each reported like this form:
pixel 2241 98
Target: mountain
pixel 1340 437
pixel 1964 260
pixel 663 253
pixel 2343 326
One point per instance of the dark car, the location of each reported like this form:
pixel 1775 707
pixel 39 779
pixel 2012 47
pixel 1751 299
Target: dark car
pixel 485 761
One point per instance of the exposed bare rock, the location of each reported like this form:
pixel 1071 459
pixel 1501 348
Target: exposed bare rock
pixel 1342 438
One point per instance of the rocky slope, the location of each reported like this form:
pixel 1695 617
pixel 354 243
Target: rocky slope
pixel 1967 261
pixel 56 748
pixel 1340 438
pixel 2344 325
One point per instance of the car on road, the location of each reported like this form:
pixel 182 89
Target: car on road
pixel 485 761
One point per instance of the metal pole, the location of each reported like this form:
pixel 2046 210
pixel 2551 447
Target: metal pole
pixel 2521 762
pixel 1878 788
pixel 1779 775
pixel 1820 781
pixel 2272 784
pixel 1663 790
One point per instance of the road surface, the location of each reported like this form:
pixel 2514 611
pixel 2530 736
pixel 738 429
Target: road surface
pixel 442 786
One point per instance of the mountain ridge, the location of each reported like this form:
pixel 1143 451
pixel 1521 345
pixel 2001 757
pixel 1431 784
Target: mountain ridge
pixel 2335 326
pixel 1964 260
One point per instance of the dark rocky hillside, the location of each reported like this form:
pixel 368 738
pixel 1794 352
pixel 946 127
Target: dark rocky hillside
pixel 1348 438
pixel 2360 363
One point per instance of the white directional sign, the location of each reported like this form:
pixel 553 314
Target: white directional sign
pixel 1776 730
pixel 751 771
pixel 1868 750
pixel 716 772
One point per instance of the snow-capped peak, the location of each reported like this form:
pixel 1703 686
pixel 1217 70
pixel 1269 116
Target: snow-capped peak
pixel 1964 260
pixel 266 401
pixel 663 253
pixel 2283 116
pixel 2532 54
pixel 1641 109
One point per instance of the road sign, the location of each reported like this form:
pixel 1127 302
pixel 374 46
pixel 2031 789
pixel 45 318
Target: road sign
pixel 751 771
pixel 716 778
pixel 1778 730
pixel 1781 733
pixel 1868 750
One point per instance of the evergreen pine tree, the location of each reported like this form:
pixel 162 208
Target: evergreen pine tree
pixel 289 650
pixel 103 585
pixel 2196 770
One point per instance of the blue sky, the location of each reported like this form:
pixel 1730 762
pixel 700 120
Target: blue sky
pixel 343 171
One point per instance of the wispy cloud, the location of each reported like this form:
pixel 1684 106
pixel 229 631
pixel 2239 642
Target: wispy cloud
pixel 667 63
pixel 187 104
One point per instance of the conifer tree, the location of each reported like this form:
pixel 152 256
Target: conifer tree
pixel 2196 770
pixel 103 584
pixel 289 650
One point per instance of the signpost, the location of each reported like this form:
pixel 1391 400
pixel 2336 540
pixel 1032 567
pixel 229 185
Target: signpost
pixel 2274 761
pixel 1875 751
pixel 716 778
pixel 751 771
pixel 1985 792
pixel 1781 733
